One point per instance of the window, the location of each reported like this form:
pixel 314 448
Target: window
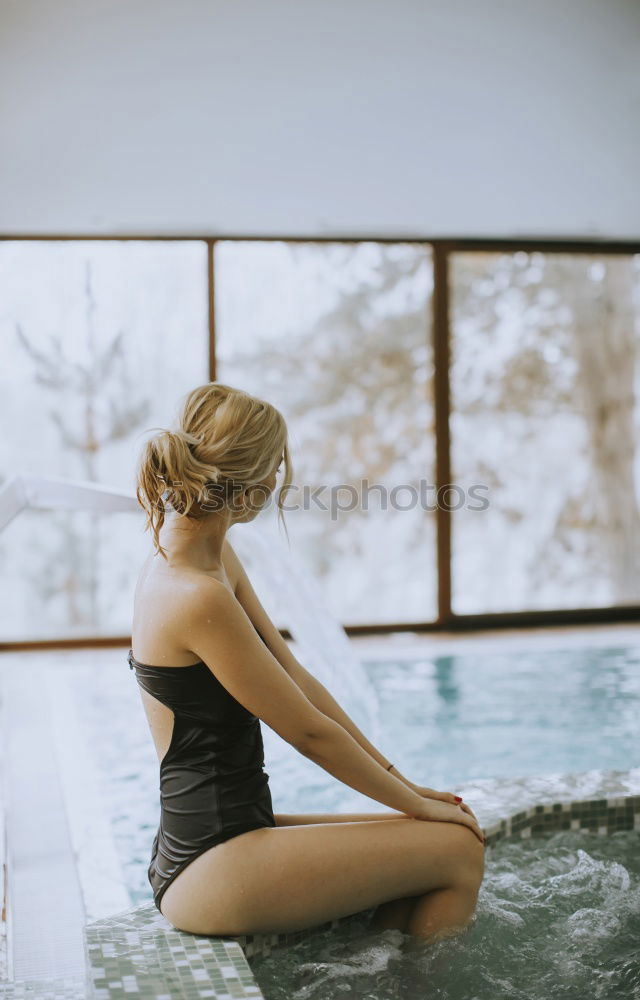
pixel 545 411
pixel 338 337
pixel 99 340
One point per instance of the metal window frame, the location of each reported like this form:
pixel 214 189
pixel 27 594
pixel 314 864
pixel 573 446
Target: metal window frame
pixel 441 250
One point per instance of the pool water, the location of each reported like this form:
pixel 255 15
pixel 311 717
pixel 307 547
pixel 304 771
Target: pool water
pixel 454 718
pixel 443 721
pixel 557 916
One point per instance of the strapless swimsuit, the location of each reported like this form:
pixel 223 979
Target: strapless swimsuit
pixel 212 780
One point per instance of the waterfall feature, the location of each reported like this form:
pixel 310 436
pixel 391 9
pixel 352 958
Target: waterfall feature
pixel 293 599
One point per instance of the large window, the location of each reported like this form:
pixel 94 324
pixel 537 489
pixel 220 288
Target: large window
pixel 99 339
pixel 545 411
pixel 337 336
pixel 498 380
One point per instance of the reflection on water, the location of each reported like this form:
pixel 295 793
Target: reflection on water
pixel 445 679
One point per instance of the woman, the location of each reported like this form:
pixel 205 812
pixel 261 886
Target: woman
pixel 211 665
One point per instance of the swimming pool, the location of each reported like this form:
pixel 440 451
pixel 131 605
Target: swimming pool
pixel 445 721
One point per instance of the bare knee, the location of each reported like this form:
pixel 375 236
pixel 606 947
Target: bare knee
pixel 473 862
pixel 468 856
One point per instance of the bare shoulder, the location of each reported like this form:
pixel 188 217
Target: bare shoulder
pixel 205 601
pixel 166 602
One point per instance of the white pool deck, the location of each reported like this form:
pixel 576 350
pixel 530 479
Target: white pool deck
pixel 59 866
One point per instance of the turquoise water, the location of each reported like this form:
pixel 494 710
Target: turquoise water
pixel 557 916
pixel 449 719
pixel 444 721
pixel 459 717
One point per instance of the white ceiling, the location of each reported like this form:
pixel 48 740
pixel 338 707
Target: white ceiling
pixel 308 118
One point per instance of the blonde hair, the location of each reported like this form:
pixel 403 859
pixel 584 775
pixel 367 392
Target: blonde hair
pixel 225 441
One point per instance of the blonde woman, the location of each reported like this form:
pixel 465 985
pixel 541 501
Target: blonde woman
pixel 210 665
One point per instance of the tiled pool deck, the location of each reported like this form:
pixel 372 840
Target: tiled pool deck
pixel 68 930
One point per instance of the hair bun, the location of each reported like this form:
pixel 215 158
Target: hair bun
pixel 183 436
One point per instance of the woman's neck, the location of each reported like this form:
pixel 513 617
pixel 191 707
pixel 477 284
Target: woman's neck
pixel 195 541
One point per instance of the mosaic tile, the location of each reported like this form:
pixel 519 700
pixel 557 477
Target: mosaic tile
pixel 600 816
pixel 139 953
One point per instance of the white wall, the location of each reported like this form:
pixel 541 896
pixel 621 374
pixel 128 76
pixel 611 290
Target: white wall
pixel 320 117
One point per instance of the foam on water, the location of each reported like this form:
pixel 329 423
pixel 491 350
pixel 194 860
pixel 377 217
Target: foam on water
pixel 557 916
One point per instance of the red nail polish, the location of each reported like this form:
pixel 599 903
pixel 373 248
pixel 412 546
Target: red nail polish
pixel 458 798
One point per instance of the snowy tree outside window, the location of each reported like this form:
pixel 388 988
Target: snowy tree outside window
pixel 545 408
pixel 338 337
pixel 99 339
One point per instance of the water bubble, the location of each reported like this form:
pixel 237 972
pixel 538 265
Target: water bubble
pixel 592 923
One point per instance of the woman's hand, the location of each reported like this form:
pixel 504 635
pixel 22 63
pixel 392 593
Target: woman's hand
pixel 447 812
pixel 430 793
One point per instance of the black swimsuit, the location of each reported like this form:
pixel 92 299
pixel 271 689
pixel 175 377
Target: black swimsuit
pixel 212 782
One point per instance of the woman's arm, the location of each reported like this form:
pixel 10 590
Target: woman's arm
pixel 318 695
pixel 321 698
pixel 311 687
pixel 315 691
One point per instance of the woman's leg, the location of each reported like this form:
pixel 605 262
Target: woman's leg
pixel 299 819
pixel 443 912
pixel 287 878
pixel 440 908
pixel 395 913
